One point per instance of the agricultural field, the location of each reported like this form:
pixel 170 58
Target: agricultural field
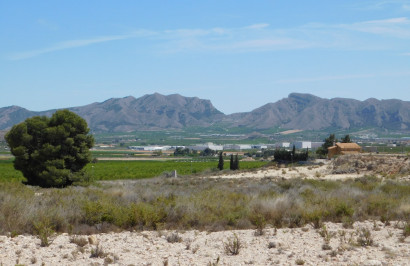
pixel 114 170
pixel 7 171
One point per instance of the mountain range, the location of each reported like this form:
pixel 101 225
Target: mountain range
pixel 297 111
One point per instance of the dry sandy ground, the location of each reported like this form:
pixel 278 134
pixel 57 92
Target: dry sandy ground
pixel 314 172
pixel 354 165
pixel 275 247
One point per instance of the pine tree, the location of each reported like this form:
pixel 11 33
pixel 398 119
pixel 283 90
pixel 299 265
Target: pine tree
pixel 329 142
pixel 51 151
pixel 221 162
pixel 346 139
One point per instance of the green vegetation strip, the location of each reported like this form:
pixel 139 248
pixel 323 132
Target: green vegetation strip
pixel 112 170
pixel 7 171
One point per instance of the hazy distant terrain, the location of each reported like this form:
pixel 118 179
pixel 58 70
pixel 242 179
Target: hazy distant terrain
pixel 297 111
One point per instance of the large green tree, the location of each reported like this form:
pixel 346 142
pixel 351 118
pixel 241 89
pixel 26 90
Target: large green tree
pixel 328 142
pixel 346 139
pixel 51 152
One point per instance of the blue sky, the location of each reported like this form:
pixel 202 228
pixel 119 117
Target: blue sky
pixel 238 54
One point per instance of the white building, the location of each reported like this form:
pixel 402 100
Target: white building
pixel 209 145
pixel 303 144
pixel 259 146
pixel 149 148
pixel 237 147
pixel 284 145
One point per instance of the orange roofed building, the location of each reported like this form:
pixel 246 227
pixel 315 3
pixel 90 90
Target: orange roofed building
pixel 343 148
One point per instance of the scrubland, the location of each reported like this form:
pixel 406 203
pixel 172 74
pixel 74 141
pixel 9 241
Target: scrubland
pixel 377 198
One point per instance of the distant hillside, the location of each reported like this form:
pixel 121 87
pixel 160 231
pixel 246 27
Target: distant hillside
pixel 308 112
pixel 297 111
pixel 153 111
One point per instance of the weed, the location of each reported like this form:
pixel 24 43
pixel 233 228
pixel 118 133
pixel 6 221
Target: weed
pixel 326 234
pixel 406 229
pixel 326 246
pixel 214 263
pixel 333 253
pixel 79 241
pixel 365 237
pixel 44 230
pixel 174 238
pixel 97 252
pixel 259 221
pixel 271 245
pixel 300 262
pixel 233 246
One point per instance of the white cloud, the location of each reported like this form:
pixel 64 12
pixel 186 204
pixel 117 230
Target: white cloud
pixel 258 38
pixel 257 26
pixel 77 43
pixel 394 27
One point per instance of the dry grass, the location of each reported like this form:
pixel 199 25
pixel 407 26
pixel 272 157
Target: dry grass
pixel 199 203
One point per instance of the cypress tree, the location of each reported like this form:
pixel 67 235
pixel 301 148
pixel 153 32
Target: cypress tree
pixel 236 162
pixel 231 163
pixel 221 162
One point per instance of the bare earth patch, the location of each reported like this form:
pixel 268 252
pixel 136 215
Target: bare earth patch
pixel 276 246
pixel 343 167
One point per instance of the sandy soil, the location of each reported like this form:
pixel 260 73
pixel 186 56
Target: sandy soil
pixel 315 171
pixel 274 247
pixel 352 166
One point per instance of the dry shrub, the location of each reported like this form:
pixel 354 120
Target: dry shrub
pixel 79 241
pixel 98 252
pixel 233 245
pixel 277 211
pixel 365 237
pixel 174 238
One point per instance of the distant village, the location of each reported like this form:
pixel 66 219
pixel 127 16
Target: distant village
pixel 232 147
pixel 374 146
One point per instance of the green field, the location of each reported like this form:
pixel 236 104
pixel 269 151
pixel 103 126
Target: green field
pixel 113 170
pixel 7 171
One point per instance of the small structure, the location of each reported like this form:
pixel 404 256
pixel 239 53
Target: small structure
pixel 343 148
pixel 303 144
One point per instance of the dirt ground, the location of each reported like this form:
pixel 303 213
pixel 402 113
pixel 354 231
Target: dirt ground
pixel 299 246
pixel 343 167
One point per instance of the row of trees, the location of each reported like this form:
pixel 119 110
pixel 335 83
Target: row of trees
pixel 187 152
pixel 290 156
pixel 233 164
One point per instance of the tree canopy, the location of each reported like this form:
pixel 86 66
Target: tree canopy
pixel 328 142
pixel 346 139
pixel 221 162
pixel 51 152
